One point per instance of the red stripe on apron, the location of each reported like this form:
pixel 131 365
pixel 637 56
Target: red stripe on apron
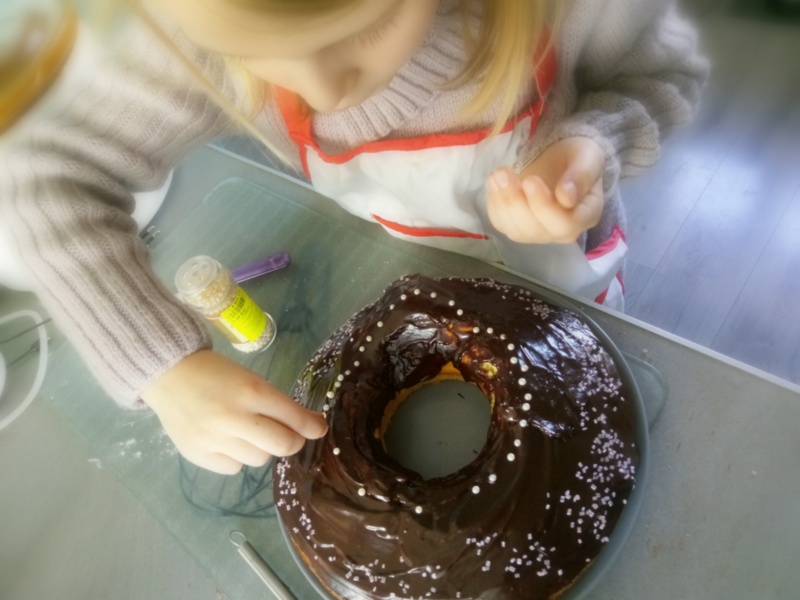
pixel 428 231
pixel 298 120
pixel 617 235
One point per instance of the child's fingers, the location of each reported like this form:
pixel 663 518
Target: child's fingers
pixel 270 424
pixel 585 168
pixel 244 452
pixel 590 210
pixel 563 225
pixel 527 211
pixel 270 436
pixel 215 462
pixel 295 417
pixel 554 218
pixel 251 440
pixel 502 181
pixel 509 210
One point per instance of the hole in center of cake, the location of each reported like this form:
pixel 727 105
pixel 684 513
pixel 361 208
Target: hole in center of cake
pixel 439 428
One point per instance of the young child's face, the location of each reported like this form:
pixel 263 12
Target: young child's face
pixel 332 60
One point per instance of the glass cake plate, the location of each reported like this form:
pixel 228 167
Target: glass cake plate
pixel 647 391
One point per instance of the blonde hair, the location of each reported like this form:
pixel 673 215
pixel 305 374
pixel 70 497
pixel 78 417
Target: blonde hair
pixel 503 53
pixel 514 38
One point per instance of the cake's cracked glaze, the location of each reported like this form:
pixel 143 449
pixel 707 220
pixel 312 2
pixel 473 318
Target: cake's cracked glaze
pixel 527 516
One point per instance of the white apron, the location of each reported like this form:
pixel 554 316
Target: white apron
pixel 432 190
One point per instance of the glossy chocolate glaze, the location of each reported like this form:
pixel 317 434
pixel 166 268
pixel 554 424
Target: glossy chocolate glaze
pixel 527 516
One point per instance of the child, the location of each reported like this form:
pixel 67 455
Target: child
pixel 494 129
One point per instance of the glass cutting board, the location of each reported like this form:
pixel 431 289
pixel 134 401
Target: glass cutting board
pixel 335 270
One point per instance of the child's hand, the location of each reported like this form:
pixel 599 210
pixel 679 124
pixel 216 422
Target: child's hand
pixel 554 199
pixel 221 415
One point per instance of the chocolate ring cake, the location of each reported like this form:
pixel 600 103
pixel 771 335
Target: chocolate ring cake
pixel 527 516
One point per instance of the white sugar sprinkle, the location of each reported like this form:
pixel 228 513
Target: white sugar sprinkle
pixel 510 456
pixel 418 510
pixel 362 492
pixel 476 489
pixel 336 451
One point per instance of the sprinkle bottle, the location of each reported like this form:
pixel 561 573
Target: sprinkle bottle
pixel 209 288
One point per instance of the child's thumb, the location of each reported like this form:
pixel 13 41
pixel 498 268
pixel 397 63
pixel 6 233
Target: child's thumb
pixel 584 169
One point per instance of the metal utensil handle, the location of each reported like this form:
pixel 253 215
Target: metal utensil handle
pixel 261 568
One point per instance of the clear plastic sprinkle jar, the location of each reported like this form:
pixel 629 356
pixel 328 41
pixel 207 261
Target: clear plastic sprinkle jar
pixel 209 288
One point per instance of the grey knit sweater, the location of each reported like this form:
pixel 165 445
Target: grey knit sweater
pixel 117 121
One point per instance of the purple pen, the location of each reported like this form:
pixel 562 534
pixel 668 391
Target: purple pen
pixel 262 266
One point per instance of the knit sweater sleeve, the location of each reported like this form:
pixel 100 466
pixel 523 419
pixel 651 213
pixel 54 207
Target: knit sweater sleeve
pixel 629 72
pixel 113 123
